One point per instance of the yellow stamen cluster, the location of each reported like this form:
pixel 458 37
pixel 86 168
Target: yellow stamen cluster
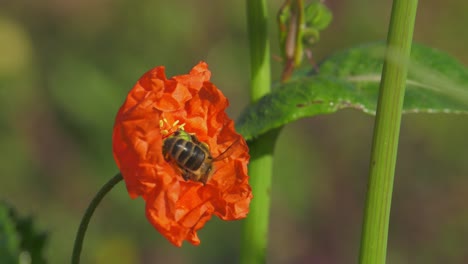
pixel 170 128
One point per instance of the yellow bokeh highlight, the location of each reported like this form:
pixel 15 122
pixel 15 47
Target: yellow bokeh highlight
pixel 15 48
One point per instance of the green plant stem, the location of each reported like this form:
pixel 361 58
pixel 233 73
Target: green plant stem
pixel 257 23
pixel 255 230
pixel 386 133
pixel 255 233
pixel 87 216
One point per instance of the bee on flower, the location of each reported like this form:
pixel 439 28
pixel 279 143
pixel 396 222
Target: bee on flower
pixel 177 148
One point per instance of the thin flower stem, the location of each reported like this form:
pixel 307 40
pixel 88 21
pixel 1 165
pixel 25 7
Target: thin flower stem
pixel 386 133
pixel 255 230
pixel 87 216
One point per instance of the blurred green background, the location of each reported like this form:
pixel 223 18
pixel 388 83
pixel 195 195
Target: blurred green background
pixel 66 66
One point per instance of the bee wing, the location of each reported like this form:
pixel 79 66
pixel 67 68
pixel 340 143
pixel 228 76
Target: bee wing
pixel 227 152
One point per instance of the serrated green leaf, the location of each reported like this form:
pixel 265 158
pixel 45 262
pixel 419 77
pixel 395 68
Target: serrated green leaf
pixel 19 238
pixel 9 240
pixel 436 83
pixel 32 241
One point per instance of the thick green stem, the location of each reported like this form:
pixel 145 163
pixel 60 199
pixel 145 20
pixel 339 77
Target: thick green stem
pixel 255 236
pixel 257 23
pixel 87 216
pixel 386 133
pixel 255 233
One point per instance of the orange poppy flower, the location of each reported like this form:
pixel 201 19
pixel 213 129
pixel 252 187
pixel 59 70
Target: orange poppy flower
pixel 158 108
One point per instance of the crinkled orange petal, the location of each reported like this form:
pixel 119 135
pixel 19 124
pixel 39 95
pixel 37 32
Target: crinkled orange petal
pixel 175 207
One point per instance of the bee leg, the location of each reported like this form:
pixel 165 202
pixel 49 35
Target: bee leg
pixel 194 139
pixel 185 175
pixel 204 179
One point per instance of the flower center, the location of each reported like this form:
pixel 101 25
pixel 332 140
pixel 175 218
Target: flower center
pixel 167 129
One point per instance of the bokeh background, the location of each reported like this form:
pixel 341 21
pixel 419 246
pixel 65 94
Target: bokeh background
pixel 66 66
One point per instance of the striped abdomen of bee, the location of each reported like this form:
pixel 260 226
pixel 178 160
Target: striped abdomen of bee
pixel 192 157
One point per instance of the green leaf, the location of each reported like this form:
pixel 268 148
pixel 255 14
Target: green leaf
pixel 9 240
pixel 299 28
pixel 32 240
pixel 18 235
pixel 317 16
pixel 436 83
